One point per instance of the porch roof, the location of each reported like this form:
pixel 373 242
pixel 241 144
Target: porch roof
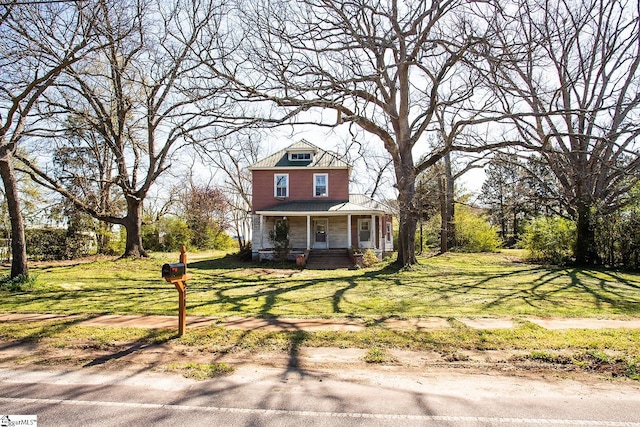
pixel 358 204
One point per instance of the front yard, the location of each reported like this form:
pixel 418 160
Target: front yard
pixel 452 285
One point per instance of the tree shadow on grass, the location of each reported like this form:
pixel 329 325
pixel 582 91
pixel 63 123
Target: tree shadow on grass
pixel 264 281
pixel 96 301
pixel 50 327
pixel 271 292
pixel 547 290
pixel 559 288
pixel 616 292
pixel 338 295
pixel 263 291
pixel 238 295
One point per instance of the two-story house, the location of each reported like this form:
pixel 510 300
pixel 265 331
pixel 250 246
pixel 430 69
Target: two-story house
pixel 309 188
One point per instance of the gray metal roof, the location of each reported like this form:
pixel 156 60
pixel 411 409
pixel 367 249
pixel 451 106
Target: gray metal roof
pixel 357 203
pixel 320 159
pixel 361 199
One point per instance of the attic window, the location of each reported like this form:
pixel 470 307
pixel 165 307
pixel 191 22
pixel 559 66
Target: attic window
pixel 301 157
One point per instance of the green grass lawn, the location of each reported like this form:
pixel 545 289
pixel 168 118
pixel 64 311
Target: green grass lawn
pixel 452 285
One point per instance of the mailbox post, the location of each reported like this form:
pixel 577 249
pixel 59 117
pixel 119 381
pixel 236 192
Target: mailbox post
pixel 177 274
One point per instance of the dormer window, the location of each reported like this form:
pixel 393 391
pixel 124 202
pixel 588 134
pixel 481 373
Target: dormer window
pixel 300 157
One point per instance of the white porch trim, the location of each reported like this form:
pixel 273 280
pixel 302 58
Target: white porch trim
pixel 308 232
pixel 261 232
pixel 373 232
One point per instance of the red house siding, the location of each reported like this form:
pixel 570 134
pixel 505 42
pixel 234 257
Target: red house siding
pixel 300 186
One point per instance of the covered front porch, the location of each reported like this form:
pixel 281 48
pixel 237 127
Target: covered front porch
pixel 340 225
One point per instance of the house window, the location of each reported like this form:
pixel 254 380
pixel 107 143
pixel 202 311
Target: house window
pixel 388 232
pixel 364 231
pixel 320 185
pixel 281 184
pixel 300 156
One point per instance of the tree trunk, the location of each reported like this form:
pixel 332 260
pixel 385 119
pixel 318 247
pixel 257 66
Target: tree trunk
pixel 18 243
pixel 444 228
pixel 449 181
pixel 133 225
pixel 503 221
pixel 514 239
pixel 585 239
pixel 406 180
pixel 406 239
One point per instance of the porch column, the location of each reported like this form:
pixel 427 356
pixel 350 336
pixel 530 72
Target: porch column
pixel 380 234
pixel 261 233
pixel 373 232
pixel 349 245
pixel 308 232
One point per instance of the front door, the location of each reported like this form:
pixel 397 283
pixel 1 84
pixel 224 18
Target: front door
pixel 320 235
pixel 364 233
pixel 388 236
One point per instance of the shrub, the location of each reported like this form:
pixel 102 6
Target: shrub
pixel 116 242
pixel 220 241
pixel 45 244
pixel 246 254
pixel 17 284
pixel 171 233
pixel 176 233
pixel 617 234
pixel 151 237
pixel 209 237
pixel 369 258
pixel 474 233
pixel 551 239
pixel 167 234
pixel 279 237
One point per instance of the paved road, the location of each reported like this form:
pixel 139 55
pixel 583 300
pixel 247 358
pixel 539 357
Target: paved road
pixel 259 396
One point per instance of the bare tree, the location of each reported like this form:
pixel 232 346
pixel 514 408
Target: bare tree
pixel 567 73
pixel 232 156
pixel 454 128
pixel 37 42
pixel 383 65
pixel 372 172
pixel 86 167
pixel 206 212
pixel 139 97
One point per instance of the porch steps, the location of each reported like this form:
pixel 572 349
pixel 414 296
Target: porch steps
pixel 328 259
